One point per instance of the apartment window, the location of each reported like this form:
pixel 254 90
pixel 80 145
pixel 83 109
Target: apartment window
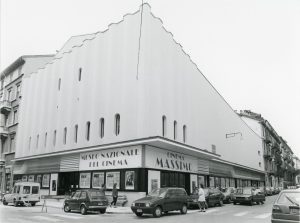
pixel 54 138
pixel 37 141
pixel 101 127
pixel 184 133
pixel 164 126
pixel 45 141
pixel 15 117
pixel 88 126
pixel 59 83
pixel 9 95
pixel 12 144
pixel 213 149
pixel 117 124
pixel 75 133
pixel 79 74
pixel 65 136
pixel 259 153
pixel 175 130
pixel 259 164
pixel 18 90
pixel 29 143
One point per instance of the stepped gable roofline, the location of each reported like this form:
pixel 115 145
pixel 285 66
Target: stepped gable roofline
pixel 19 62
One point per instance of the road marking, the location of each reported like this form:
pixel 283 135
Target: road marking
pixel 66 216
pixel 241 214
pixel 263 215
pixel 44 218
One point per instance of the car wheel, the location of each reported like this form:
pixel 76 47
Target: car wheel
pixel 15 203
pixel 83 210
pixel 4 202
pixel 67 208
pixel 221 203
pixel 139 214
pixel 102 211
pixel 157 212
pixel 234 203
pixel 251 203
pixel 183 209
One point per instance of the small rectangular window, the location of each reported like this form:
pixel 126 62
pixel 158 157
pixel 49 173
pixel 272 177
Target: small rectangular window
pixel 65 136
pixel 79 74
pixel 88 126
pixel 75 133
pixel 54 138
pixel 59 83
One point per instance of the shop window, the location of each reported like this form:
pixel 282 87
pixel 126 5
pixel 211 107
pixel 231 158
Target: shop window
pixel 46 180
pixel 164 126
pixel 75 133
pixel 85 180
pixel 31 178
pixel 24 178
pixel 111 179
pixel 101 123
pixel 87 134
pixel 184 133
pixel 211 181
pixel 65 136
pixel 129 180
pixel 54 137
pixel 98 179
pixel 175 130
pixel 117 124
pixel 45 141
pixel 79 74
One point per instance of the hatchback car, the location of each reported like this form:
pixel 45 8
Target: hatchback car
pixel 213 197
pixel 286 207
pixel 161 200
pixel 23 193
pixel 248 195
pixel 87 200
pixel 228 194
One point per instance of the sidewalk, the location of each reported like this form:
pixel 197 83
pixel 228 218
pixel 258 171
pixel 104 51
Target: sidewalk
pixel 60 203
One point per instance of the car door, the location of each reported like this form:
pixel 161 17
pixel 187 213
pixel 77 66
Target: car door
pixel 170 200
pixel 73 202
pixel 82 199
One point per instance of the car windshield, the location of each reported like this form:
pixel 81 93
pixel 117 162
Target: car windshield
pixel 158 192
pixel 289 198
pixel 244 191
pixel 96 194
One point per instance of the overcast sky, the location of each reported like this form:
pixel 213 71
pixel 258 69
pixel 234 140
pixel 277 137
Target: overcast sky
pixel 248 49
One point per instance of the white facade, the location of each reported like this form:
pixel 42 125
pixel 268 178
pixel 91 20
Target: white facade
pixel 168 83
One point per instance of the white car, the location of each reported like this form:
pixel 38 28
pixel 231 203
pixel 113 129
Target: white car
pixel 23 193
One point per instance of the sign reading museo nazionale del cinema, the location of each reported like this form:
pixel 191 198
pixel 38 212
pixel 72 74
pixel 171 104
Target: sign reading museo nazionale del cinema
pixel 168 160
pixel 128 157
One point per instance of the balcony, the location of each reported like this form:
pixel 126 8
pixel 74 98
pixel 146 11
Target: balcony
pixel 267 154
pixel 5 107
pixel 3 132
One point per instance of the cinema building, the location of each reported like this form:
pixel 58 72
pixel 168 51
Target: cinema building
pixel 109 110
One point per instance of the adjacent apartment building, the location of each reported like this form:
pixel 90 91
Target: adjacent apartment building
pixel 278 156
pixel 128 106
pixel 10 98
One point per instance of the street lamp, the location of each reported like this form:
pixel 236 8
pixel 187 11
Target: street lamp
pixel 230 135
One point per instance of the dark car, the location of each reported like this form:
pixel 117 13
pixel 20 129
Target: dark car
pixel 248 195
pixel 286 207
pixel 86 200
pixel 213 197
pixel 161 200
pixel 228 194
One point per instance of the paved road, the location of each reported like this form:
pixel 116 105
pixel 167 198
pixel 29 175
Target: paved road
pixel 229 213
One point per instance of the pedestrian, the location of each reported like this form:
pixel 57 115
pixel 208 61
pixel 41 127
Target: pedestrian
pixel 114 195
pixel 201 198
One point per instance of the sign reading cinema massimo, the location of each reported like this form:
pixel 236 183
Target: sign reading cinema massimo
pixel 128 157
pixel 168 160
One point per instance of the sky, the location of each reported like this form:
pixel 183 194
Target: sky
pixel 248 49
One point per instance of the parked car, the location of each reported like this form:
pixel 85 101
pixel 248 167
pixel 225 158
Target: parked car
pixel 228 194
pixel 213 197
pixel 276 190
pixel 85 200
pixel 286 207
pixel 161 200
pixel 269 191
pixel 23 193
pixel 248 195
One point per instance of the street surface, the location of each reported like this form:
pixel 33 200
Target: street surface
pixel 229 213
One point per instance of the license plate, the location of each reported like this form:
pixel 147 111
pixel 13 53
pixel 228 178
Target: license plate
pixel 139 210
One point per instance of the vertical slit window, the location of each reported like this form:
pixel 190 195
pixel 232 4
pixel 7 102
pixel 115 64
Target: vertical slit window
pixel 37 141
pixel 164 126
pixel 54 137
pixel 29 142
pixel 65 136
pixel 75 133
pixel 184 133
pixel 59 83
pixel 79 74
pixel 117 124
pixel 45 142
pixel 175 130
pixel 88 126
pixel 101 127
